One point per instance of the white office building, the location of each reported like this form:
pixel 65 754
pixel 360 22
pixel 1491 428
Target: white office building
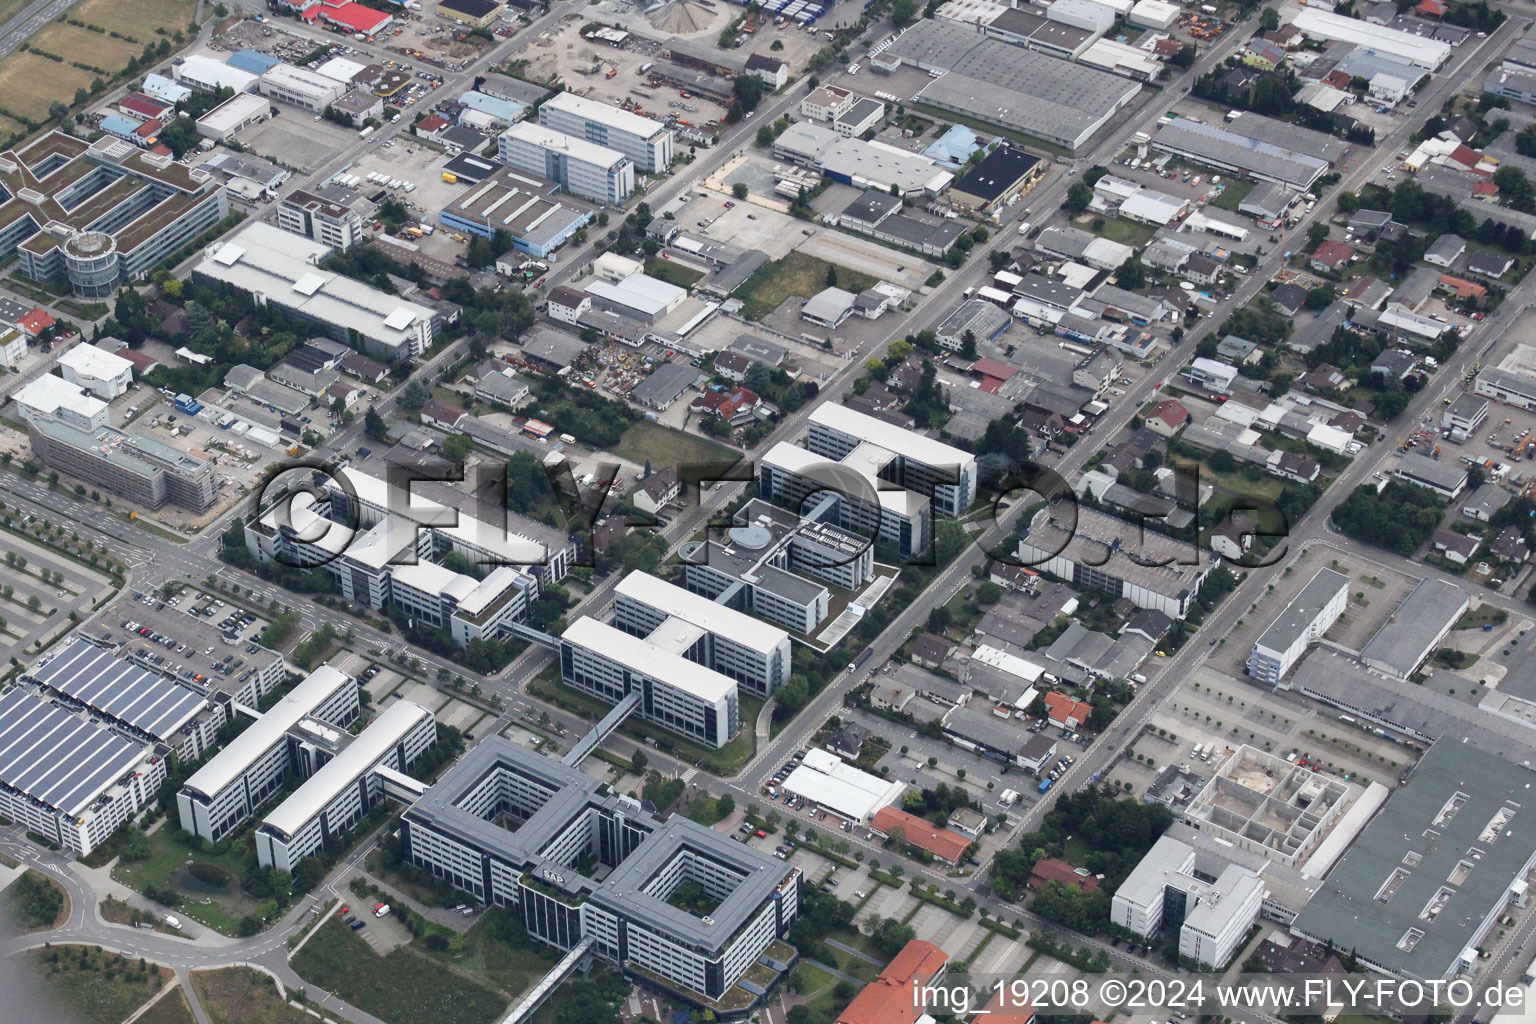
pixel 649 144
pixel 675 693
pixel 941 472
pixel 302 88
pixel 52 396
pixel 345 788
pixel 1310 614
pixel 102 373
pixel 312 216
pixel 13 348
pixel 1163 894
pixel 750 651
pixel 227 789
pixel 582 168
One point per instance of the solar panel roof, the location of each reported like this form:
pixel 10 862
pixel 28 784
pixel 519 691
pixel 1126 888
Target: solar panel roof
pixel 119 689
pixel 56 757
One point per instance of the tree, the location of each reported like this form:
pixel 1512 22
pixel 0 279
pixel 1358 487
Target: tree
pixel 1317 234
pixel 725 805
pixel 415 394
pixel 739 190
pixel 1269 20
pixel 57 111
pixel 456 448
pixel 890 935
pixel 1079 195
pixel 968 344
pixel 764 135
pixel 903 11
pixel 1132 274
pixel 831 277
pixel 373 425
pixel 748 92
pixel 794 694
pixel 638 762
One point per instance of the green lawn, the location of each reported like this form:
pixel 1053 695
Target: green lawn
pixel 663 446
pixel 1126 232
pixel 405 987
pixel 165 856
pixel 509 968
pixel 795 274
pixel 243 995
pixel 1235 192
pixel 77 977
pixel 673 272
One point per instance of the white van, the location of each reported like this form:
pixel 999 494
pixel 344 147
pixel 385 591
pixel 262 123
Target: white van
pixel 172 921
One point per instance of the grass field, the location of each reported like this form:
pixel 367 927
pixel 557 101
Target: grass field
pixel 405 987
pixel 667 447
pixel 171 1009
pixel 672 273
pixel 243 995
pixel 165 856
pixel 31 82
pixel 78 977
pixel 1124 231
pixel 1234 193
pixel 795 274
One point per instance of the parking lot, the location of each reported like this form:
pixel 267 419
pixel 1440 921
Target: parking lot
pixel 211 642
pixel 297 139
pixel 38 597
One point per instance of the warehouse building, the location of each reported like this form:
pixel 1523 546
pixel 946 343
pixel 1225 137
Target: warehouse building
pixel 826 781
pixel 233 116
pixel 144 470
pixel 1423 52
pixel 208 75
pixel 264 260
pixel 1001 177
pixel 299 86
pixel 1445 479
pixel 675 693
pixel 1308 616
pixel 524 206
pixel 1418 892
pixel 1160 572
pixel 474 13
pixel 99 213
pixel 987 79
pixel 67 779
pixel 1231 150
pixel 582 168
pixel 647 143
pixel 462 831
pixel 734 644
pixel 341 793
pixel 1425 617
pixel 229 787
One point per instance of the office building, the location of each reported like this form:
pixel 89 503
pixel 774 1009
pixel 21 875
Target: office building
pixel 847 494
pixel 327 222
pixel 1463 416
pixel 1415 628
pixel 283 270
pixel 341 792
pixel 1308 616
pixel 299 86
pixel 734 644
pixel 383 545
pixel 647 143
pixel 67 779
pixel 582 865
pixel 775 564
pixel 104 374
pixel 99 213
pixel 1418 892
pixel 51 396
pixel 582 168
pixel 1445 479
pixel 1210 919
pixel 147 472
pixel 941 472
pixel 675 693
pixel 1152 570
pixel 229 787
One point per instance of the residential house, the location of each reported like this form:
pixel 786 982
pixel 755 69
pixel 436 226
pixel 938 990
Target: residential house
pixel 1330 257
pixel 1167 417
pixel 1457 548
pixel 657 490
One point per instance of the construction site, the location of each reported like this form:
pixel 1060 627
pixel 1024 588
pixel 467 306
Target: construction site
pixel 1268 804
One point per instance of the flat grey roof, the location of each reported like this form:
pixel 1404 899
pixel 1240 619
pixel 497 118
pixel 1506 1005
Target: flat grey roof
pixel 1437 859
pixel 1448 475
pixel 56 757
pixel 1296 618
pixel 1242 151
pixel 987 730
pixel 1427 611
pixel 118 689
pixel 664 384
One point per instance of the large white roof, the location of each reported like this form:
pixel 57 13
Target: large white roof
pixel 572 147
pixel 825 779
pixel 202 70
pixel 340 69
pixel 230 763
pixel 604 114
pixel 909 443
pixel 49 393
pixel 1417 50
pixel 343 770
pixel 650 660
pixel 701 611
pixel 639 291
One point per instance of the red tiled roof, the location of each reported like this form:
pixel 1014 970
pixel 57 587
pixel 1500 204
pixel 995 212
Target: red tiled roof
pixel 1054 869
pixel 141 361
pixel 435 123
pixel 1485 188
pixel 888 999
pixel 1332 253
pixel 1433 8
pixel 149 129
pixel 925 835
pixel 993 368
pixel 1463 288
pixel 1064 709
pixel 35 321
pixel 143 105
pixel 1006 1010
pixel 1170 412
